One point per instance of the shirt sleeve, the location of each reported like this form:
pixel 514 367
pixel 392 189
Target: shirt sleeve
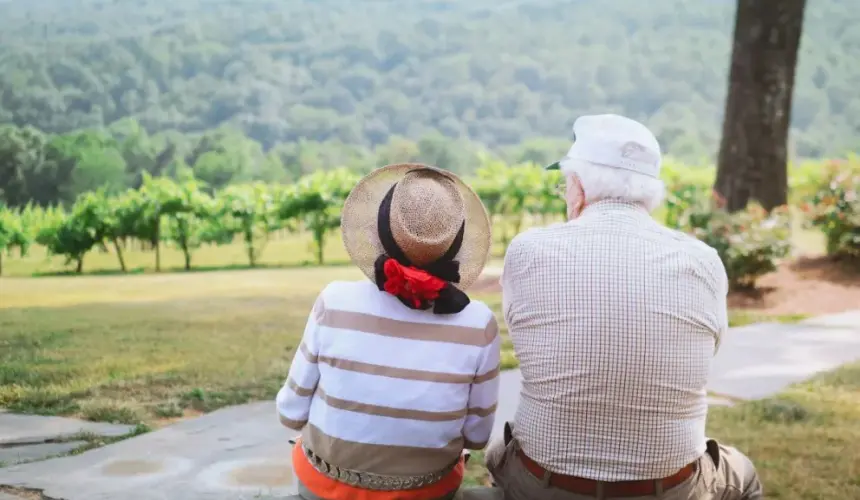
pixel 294 399
pixel 484 393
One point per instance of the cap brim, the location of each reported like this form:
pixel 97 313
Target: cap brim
pixel 554 166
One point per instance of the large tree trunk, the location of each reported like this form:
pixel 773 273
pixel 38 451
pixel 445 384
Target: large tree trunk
pixel 753 161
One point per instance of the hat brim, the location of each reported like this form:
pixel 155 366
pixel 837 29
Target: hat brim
pixel 554 166
pixel 359 222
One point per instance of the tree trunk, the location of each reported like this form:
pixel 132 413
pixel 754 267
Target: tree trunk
pixel 1 263
pixel 119 255
pixel 156 243
pixel 249 246
pixel 80 266
pixel 319 240
pixel 187 258
pixel 752 163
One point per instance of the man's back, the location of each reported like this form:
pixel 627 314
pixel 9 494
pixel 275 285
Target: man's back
pixel 614 319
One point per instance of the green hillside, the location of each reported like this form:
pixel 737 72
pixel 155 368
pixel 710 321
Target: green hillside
pixel 358 72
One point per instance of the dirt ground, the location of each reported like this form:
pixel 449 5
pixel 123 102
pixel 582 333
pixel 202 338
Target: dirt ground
pixel 811 286
pixel 808 286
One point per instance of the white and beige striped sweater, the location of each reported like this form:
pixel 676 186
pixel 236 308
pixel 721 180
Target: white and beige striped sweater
pixel 378 387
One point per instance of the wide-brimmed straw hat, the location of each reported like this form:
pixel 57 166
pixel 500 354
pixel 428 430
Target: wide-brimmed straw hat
pixel 427 209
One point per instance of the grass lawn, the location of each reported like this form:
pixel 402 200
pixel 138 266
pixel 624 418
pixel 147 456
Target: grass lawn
pixel 156 346
pixel 145 347
pixel 150 348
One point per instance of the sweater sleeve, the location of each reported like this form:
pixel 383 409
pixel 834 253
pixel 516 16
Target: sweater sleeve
pixel 294 399
pixel 484 393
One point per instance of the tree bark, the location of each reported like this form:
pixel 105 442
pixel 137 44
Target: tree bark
pixel 157 244
pixel 119 255
pixel 753 159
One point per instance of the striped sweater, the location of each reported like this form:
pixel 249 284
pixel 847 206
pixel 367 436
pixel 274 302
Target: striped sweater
pixel 378 387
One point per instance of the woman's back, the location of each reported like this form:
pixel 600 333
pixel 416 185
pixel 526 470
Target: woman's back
pixel 393 391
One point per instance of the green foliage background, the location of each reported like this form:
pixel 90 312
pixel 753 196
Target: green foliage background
pixel 358 74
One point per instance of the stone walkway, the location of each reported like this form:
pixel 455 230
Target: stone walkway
pixel 24 438
pixel 242 452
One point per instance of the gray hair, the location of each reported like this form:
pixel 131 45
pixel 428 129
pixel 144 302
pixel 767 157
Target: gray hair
pixel 601 183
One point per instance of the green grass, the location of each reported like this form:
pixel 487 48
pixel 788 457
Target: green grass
pixel 141 348
pixel 150 348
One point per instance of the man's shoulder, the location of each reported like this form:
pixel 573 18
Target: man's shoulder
pixel 536 235
pixel 526 250
pixel 691 245
pixel 701 255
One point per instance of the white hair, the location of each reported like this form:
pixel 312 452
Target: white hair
pixel 602 183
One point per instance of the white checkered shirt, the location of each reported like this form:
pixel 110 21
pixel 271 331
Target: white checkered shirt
pixel 614 319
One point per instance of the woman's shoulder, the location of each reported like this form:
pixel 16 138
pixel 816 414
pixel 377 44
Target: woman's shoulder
pixel 364 295
pixel 346 288
pixel 478 306
pixel 479 313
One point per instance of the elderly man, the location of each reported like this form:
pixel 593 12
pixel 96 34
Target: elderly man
pixel 614 319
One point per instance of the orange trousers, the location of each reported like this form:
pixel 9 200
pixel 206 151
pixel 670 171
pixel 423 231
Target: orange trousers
pixel 330 489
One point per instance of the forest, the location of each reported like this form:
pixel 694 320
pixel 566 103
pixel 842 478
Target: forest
pixel 345 78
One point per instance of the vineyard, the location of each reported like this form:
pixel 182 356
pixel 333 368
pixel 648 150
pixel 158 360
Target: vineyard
pixel 185 215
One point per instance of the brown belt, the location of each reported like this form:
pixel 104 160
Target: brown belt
pixel 582 486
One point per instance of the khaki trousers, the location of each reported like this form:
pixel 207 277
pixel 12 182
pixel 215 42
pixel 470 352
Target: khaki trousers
pixel 723 473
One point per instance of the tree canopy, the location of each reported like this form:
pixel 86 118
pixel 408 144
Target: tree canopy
pixel 361 74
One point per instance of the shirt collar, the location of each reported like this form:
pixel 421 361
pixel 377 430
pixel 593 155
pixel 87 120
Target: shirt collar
pixel 604 206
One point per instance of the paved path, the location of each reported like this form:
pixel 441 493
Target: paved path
pixel 760 360
pixel 242 452
pixel 25 438
pixel 235 453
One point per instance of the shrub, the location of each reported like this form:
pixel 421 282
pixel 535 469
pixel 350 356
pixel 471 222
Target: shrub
pixel 832 205
pixel 750 242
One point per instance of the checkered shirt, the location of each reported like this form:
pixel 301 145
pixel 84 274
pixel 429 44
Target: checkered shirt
pixel 614 319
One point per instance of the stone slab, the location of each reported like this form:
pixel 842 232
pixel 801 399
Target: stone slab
pixel 25 453
pixel 850 319
pixel 232 454
pixel 16 428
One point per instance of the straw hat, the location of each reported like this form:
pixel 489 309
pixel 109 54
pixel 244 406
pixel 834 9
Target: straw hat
pixel 428 208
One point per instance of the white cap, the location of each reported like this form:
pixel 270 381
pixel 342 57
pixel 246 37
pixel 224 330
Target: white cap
pixel 613 141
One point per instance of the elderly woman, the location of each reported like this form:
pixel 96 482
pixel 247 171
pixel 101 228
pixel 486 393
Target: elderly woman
pixel 396 376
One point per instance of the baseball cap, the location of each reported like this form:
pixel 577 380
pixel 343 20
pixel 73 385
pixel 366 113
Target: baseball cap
pixel 613 141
